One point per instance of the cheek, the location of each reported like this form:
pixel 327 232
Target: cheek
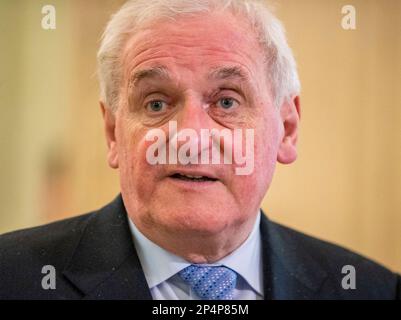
pixel 135 171
pixel 266 142
pixel 266 150
pixel 256 184
pixel 265 159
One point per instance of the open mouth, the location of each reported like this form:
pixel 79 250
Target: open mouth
pixel 187 177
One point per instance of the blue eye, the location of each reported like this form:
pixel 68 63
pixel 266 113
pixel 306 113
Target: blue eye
pixel 155 106
pixel 227 103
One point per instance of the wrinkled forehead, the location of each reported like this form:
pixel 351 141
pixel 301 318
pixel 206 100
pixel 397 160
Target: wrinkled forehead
pixel 194 40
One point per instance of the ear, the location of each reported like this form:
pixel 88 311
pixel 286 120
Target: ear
pixel 290 113
pixel 110 128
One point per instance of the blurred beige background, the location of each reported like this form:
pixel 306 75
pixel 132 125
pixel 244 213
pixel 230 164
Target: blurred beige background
pixel 345 186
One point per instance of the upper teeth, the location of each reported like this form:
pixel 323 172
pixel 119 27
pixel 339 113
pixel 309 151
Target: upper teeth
pixel 193 177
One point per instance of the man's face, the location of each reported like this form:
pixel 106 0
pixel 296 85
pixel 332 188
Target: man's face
pixel 191 92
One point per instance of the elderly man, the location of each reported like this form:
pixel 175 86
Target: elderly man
pixel 200 99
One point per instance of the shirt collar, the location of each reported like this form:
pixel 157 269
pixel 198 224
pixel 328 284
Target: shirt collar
pixel 159 264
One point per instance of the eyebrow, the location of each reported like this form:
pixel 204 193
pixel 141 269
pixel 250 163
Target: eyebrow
pixel 150 73
pixel 219 73
pixel 223 73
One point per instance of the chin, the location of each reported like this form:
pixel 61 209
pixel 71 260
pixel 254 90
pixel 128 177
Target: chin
pixel 208 220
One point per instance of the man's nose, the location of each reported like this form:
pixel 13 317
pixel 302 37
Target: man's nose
pixel 193 116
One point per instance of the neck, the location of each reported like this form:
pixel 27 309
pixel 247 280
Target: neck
pixel 200 247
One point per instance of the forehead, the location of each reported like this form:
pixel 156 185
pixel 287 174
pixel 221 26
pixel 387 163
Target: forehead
pixel 194 43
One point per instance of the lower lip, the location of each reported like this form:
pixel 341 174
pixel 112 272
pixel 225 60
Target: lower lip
pixel 188 184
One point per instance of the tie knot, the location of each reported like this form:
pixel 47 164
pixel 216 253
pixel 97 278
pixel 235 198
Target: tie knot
pixel 209 282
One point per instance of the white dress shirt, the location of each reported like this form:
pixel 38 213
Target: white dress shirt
pixel 161 267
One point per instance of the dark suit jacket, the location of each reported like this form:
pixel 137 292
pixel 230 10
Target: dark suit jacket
pixel 94 258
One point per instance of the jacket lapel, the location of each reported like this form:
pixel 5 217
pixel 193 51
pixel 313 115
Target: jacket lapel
pixel 289 271
pixel 105 264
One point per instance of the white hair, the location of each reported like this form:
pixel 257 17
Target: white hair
pixel 136 14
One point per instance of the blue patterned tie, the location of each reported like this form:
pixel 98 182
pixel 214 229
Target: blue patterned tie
pixel 210 283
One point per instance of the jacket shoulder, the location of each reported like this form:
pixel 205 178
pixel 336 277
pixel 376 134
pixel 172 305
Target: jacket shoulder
pixel 42 239
pixel 24 254
pixel 373 280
